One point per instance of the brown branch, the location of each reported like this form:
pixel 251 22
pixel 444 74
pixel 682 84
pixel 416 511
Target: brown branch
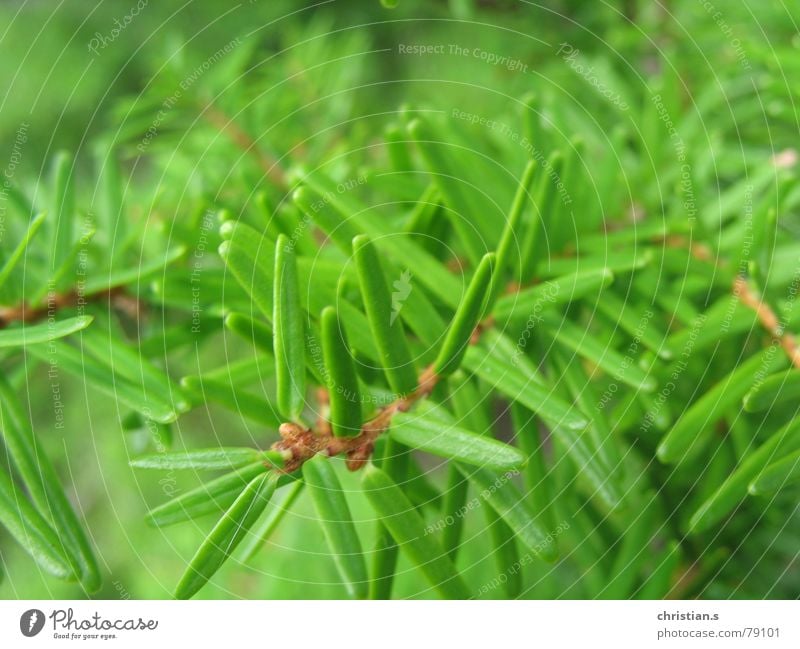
pixel 768 318
pixel 242 139
pixel 26 313
pixel 304 443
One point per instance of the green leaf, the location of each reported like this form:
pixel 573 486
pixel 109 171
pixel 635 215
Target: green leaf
pixel 424 212
pixel 333 515
pixel 511 231
pixel 734 489
pixel 223 391
pixel 533 247
pixel 633 319
pixel 533 123
pixel 108 344
pixel 383 565
pixel 263 531
pixel 345 400
pixel 408 530
pixel 579 340
pixel 43 332
pixel 559 290
pixel 325 215
pixel 21 248
pixel 30 530
pixel 504 548
pixel 471 411
pixel 209 497
pixel 63 276
pixel 696 423
pixel 354 321
pixel 288 336
pixel 659 582
pixel 63 209
pixel 618 263
pixel 416 309
pixel 226 535
pixel 137 274
pixel 467 220
pixel 249 256
pixel 382 315
pixel 402 249
pixel 538 476
pixel 102 378
pixel 674 300
pixel 211 459
pixel 41 480
pixel 248 370
pixel 777 476
pixel 561 225
pixel 726 318
pixel 251 330
pixel 111 208
pixel 596 456
pixel 455 497
pixel 780 388
pixel 424 431
pixel 466 319
pixel 631 551
pixel 503 496
pixel 497 361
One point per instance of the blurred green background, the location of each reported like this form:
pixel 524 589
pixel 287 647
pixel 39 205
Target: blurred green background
pixel 310 80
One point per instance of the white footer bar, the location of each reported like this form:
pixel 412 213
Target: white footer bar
pixel 404 625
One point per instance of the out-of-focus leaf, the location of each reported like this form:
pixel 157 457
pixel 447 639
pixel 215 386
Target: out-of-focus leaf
pixel 777 389
pixel 30 530
pixel 63 209
pixel 103 379
pixel 137 274
pixel 41 480
pixel 734 489
pixel 775 477
pixel 43 332
pixel 697 421
pixel 20 249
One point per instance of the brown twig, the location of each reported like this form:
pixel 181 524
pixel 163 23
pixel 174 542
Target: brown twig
pixel 242 139
pixel 304 443
pixel 768 318
pixel 26 313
